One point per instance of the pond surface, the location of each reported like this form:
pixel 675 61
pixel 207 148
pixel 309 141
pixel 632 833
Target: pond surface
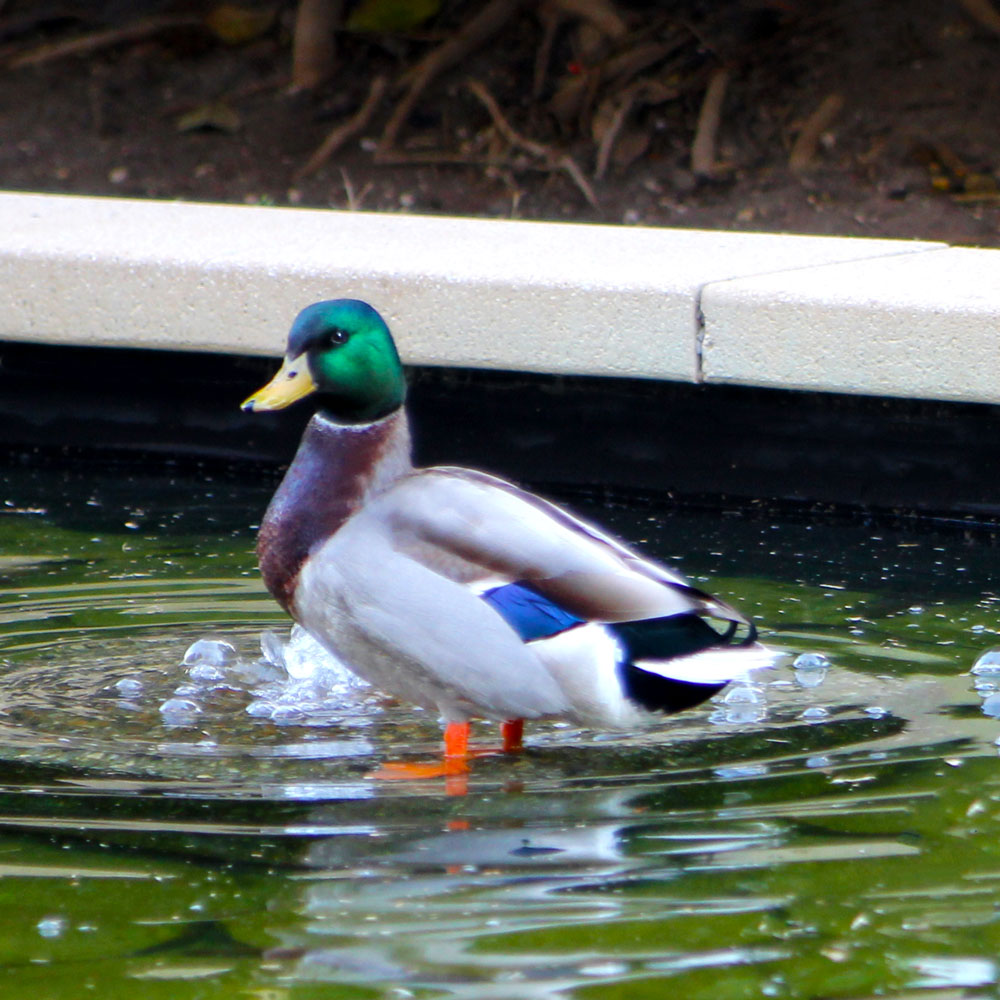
pixel 209 828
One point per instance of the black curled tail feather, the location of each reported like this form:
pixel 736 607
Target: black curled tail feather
pixel 660 640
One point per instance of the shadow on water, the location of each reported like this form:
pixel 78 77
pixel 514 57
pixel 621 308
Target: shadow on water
pixel 199 821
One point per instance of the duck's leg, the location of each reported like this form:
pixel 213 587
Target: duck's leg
pixel 455 762
pixel 512 734
pixel 456 741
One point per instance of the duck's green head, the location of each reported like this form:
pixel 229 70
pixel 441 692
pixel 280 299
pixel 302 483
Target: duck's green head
pixel 342 351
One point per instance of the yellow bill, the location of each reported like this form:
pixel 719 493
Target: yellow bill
pixel 292 381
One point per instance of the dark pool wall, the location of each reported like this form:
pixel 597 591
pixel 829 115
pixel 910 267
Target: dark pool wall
pixel 695 442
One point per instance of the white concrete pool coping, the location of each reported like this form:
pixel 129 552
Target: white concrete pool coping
pixel 878 317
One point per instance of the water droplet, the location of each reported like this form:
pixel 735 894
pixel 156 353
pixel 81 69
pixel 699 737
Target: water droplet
pixel 601 969
pixel 129 687
pixel 742 771
pixel 52 927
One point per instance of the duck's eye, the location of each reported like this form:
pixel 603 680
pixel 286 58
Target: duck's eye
pixel 336 336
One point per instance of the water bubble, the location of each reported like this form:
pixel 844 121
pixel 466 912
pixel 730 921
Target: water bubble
pixel 305 657
pixel 988 663
pixel 257 672
pixel 815 714
pixel 180 711
pixel 743 694
pixel 206 673
pixel 260 709
pixel 52 927
pixel 212 651
pixel 991 706
pixel 287 713
pixel 810 661
pixel 272 649
pixel 876 712
pixel 810 669
pixel 129 687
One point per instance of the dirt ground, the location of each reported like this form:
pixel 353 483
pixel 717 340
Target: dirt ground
pixel 174 113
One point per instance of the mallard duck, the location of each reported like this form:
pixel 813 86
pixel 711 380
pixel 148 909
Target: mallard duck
pixel 458 591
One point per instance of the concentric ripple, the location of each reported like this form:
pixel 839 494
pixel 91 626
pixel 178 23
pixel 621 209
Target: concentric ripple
pixel 186 806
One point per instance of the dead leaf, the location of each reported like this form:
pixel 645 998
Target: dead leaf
pixel 235 24
pixel 391 15
pixel 631 144
pixel 217 116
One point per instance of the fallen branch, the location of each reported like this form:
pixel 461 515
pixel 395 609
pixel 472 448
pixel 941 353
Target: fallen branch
pixel 704 162
pixel 96 40
pixel 474 33
pixel 345 130
pixel 803 153
pixel 554 160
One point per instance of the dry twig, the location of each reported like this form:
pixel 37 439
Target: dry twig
pixel 601 13
pixel 552 157
pixel 703 149
pixel 983 13
pixel 354 198
pixel 313 44
pixel 552 18
pixel 570 98
pixel 804 148
pixel 345 130
pixel 611 133
pixel 95 40
pixel 467 39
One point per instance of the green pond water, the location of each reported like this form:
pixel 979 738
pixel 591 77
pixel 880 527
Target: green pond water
pixel 202 830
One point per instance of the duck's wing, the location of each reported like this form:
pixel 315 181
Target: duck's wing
pixel 480 529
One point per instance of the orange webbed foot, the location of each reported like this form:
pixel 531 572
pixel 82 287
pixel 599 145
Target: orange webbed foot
pixel 454 766
pixel 455 761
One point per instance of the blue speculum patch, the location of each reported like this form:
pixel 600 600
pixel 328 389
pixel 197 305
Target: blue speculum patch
pixel 530 614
